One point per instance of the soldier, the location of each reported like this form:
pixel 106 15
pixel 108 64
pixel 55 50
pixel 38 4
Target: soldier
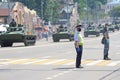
pixel 12 23
pixel 106 42
pixel 78 46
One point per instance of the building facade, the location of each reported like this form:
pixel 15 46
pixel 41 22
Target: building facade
pixel 111 4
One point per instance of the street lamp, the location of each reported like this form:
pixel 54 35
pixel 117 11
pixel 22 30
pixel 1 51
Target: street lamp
pixel 87 11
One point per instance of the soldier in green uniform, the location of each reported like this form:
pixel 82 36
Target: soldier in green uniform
pixel 12 23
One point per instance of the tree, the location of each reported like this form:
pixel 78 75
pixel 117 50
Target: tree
pixel 115 12
pixel 49 8
pixel 92 6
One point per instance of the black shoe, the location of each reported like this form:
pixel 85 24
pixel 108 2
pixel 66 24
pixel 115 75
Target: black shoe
pixel 107 58
pixel 79 67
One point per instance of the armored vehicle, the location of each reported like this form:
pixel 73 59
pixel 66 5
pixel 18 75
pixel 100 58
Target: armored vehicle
pixel 17 34
pixel 117 27
pixel 91 31
pixel 101 28
pixel 62 33
pixel 111 28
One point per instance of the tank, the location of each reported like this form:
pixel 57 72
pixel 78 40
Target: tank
pixel 63 33
pixel 17 34
pixel 91 31
pixel 111 28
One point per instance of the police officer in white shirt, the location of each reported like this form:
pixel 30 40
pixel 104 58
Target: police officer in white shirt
pixel 78 45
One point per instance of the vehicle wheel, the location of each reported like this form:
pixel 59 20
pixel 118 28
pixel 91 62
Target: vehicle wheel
pixel 26 43
pixel 85 35
pixel 9 44
pixel 56 40
pixel 33 43
pixel 3 44
pixel 118 29
pixel 6 44
pixel 71 39
pixel 97 35
pixel 113 30
pixel 29 41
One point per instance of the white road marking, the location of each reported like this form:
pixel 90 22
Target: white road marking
pixel 28 61
pixel 114 63
pixel 117 53
pixel 94 62
pixel 52 62
pixel 69 52
pixel 35 61
pixel 70 63
pixel 4 59
pixel 6 63
pixel 49 78
pixel 45 57
pixel 118 46
pixel 59 74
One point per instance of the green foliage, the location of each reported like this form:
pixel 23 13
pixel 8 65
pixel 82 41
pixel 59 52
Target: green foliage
pixel 90 5
pixel 115 12
pixel 49 8
pixel 103 1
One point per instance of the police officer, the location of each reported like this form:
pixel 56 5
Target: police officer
pixel 78 46
pixel 106 42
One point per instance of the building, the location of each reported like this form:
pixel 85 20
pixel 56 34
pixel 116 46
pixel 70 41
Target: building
pixel 4 16
pixel 69 15
pixel 20 13
pixel 5 10
pixel 111 4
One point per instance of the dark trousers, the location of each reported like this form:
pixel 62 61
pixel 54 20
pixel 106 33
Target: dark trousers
pixel 79 56
pixel 106 48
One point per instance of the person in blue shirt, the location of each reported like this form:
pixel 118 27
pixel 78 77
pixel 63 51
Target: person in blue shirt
pixel 106 42
pixel 78 45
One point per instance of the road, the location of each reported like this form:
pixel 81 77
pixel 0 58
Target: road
pixel 56 61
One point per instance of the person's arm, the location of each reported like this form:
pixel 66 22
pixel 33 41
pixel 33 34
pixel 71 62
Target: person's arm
pixel 76 44
pixel 76 41
pixel 106 35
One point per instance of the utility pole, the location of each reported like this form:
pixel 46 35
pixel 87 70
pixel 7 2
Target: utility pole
pixel 42 10
pixel 8 11
pixel 67 4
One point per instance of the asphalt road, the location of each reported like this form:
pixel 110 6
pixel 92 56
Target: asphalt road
pixel 56 61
